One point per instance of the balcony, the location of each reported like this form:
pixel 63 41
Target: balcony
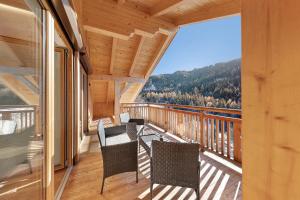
pixel 220 175
pixel 216 130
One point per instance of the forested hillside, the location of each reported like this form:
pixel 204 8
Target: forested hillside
pixel 217 85
pixel 7 97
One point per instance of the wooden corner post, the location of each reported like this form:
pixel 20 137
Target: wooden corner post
pixel 270 99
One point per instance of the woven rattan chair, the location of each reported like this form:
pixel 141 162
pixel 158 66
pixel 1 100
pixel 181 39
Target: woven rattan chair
pixel 175 164
pixel 125 118
pixel 119 151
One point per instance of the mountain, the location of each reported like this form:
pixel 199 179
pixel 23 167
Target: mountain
pixel 7 97
pixel 219 82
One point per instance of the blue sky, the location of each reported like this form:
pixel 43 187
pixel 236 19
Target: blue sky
pixel 202 44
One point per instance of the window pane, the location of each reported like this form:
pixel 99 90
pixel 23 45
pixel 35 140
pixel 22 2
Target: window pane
pixel 21 144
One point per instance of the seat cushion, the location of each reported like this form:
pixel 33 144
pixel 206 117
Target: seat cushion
pixel 124 117
pixel 118 139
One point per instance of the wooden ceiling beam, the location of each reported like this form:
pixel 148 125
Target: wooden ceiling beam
pixel 156 58
pixel 117 102
pixel 113 55
pixel 166 40
pixel 116 78
pixel 164 6
pixel 21 90
pixel 28 84
pixel 136 55
pixel 232 7
pixel 127 86
pixel 120 21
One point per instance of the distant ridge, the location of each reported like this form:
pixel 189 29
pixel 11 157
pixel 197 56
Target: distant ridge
pixel 220 81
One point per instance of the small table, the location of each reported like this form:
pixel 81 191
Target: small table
pixel 146 141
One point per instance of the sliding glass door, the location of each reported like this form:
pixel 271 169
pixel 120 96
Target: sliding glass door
pixel 21 100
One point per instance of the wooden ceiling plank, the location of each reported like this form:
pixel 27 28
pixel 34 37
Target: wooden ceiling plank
pixel 217 11
pixel 113 55
pixel 116 78
pixel 163 7
pixel 136 55
pixel 166 40
pixel 107 93
pixel 108 32
pixel 120 2
pixel 159 52
pixel 121 21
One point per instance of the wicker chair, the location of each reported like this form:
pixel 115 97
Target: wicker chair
pixel 125 118
pixel 175 164
pixel 119 151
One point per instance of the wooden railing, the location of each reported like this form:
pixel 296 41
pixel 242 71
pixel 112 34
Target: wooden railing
pixel 216 130
pixel 24 116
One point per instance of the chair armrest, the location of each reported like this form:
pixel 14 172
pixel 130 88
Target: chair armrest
pixel 138 121
pixel 115 130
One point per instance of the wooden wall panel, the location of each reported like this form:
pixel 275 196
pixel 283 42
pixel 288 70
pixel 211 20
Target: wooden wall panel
pixel 271 99
pixel 99 90
pixel 101 110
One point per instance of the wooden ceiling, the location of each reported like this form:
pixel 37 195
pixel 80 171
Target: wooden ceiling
pixel 125 39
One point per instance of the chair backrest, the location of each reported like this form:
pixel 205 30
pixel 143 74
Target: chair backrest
pixel 175 164
pixel 131 130
pixel 124 118
pixel 7 127
pixel 101 133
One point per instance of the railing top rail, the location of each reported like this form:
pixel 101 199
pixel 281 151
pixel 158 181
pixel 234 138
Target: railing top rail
pixel 17 106
pixel 24 108
pixel 199 108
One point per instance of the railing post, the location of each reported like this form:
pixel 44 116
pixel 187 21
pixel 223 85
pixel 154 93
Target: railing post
pixel 228 139
pixel 202 130
pixel 222 137
pixel 149 113
pixel 212 127
pixel 165 119
pixel 217 135
pixel 237 141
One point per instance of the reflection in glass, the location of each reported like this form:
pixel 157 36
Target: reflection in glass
pixel 59 101
pixel 21 144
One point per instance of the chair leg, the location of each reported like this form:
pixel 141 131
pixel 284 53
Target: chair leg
pixel 103 180
pixel 139 148
pixel 137 176
pixel 151 185
pixel 30 167
pixel 197 194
